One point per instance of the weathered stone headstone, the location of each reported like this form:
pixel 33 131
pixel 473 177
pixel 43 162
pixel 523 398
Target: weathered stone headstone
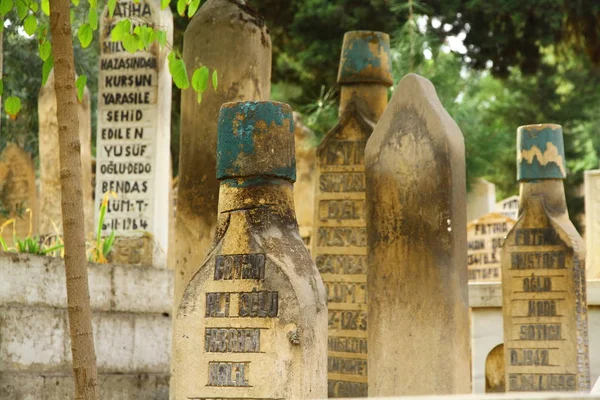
pixel 509 207
pixel 481 199
pixel 304 188
pixel 252 322
pixel 133 139
pixel 18 193
pixel 543 275
pixel 592 223
pixel 419 337
pixel 339 242
pixel 231 37
pixel 485 236
pixel 50 201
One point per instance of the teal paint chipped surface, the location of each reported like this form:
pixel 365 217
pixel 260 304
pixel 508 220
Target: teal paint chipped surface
pixel 253 181
pixel 357 55
pixel 236 136
pixel 540 153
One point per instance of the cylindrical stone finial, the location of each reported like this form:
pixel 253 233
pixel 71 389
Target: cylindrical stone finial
pixel 540 152
pixel 256 138
pixel 365 58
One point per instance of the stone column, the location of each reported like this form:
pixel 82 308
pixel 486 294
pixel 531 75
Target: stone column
pixel 50 200
pixel 419 337
pixel 232 38
pixel 339 243
pixel 252 322
pixel 133 139
pixel 592 223
pixel 543 275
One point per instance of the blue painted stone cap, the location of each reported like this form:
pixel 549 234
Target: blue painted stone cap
pixel 540 152
pixel 365 58
pixel 256 138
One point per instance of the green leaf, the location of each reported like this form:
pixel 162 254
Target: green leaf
pixel 93 4
pixel 1 87
pixel 193 7
pixel 46 7
pixel 112 4
pixel 200 79
pixel 72 16
pixel 80 84
pixel 34 6
pixel 30 24
pixel 22 9
pixel 75 3
pixel 181 7
pixel 178 71
pixel 45 50
pixel 121 28
pixel 85 35
pixel 93 18
pixel 215 80
pixel 164 4
pixel 5 6
pixel 145 34
pixel 131 42
pixel 12 106
pixel 47 68
pixel 161 37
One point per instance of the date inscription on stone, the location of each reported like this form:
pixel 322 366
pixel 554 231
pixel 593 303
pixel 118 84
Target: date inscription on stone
pixel 541 382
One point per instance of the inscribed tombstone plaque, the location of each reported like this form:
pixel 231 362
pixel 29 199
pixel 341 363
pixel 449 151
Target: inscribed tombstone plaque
pixel 543 275
pixel 133 139
pixel 509 207
pixel 592 223
pixel 231 37
pixel 339 243
pixel 252 322
pixel 419 337
pixel 18 192
pixel 481 199
pixel 50 201
pixel 485 236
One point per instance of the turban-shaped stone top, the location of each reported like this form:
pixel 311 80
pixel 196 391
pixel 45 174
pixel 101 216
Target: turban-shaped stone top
pixel 256 138
pixel 540 152
pixel 365 58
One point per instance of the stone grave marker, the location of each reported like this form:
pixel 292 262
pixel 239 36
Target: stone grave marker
pixel 485 236
pixel 50 200
pixel 304 188
pixel 419 337
pixel 252 322
pixel 234 28
pixel 509 207
pixel 339 242
pixel 133 138
pixel 543 275
pixel 481 199
pixel 592 223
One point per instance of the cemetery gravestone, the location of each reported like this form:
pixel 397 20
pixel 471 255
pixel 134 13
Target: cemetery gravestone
pixel 481 199
pixel 304 188
pixel 231 37
pixel 592 223
pixel 50 201
pixel 252 322
pixel 419 337
pixel 133 139
pixel 509 207
pixel 339 244
pixel 543 275
pixel 485 236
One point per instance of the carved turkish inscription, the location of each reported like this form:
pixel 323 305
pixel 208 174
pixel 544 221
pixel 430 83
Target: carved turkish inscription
pixel 339 248
pixel 485 236
pixel 545 313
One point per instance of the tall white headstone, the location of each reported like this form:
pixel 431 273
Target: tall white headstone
pixel 592 223
pixel 481 199
pixel 509 207
pixel 133 138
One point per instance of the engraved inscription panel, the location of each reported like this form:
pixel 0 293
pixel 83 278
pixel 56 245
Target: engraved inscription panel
pixel 485 236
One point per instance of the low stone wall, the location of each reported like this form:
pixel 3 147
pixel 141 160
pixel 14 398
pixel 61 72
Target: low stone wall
pixel 132 329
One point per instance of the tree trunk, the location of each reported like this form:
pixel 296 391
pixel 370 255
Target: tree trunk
pixel 78 297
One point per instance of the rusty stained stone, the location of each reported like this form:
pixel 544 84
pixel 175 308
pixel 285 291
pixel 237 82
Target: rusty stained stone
pixel 339 232
pixel 485 236
pixel 231 37
pixel 419 337
pixel 543 275
pixel 252 322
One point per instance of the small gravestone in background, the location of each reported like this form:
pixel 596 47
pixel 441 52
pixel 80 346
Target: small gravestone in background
pixel 339 239
pixel 481 199
pixel 252 322
pixel 419 337
pixel 133 138
pixel 592 223
pixel 18 193
pixel 50 199
pixel 543 275
pixel 485 236
pixel 509 207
